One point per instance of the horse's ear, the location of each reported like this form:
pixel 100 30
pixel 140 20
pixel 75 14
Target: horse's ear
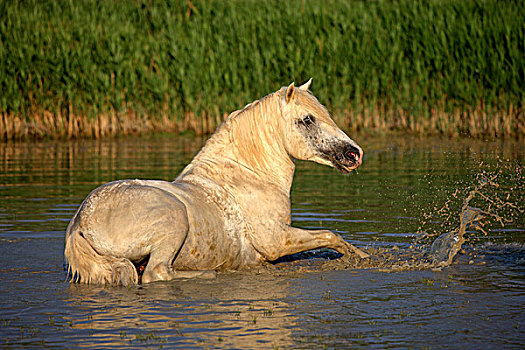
pixel 306 85
pixel 290 92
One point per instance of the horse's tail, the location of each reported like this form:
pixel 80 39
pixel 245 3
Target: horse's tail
pixel 85 265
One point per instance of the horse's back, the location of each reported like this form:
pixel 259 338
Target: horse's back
pixel 126 218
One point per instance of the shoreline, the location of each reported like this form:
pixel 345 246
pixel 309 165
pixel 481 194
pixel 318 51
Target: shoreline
pixel 473 124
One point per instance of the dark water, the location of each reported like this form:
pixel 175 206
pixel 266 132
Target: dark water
pixel 477 302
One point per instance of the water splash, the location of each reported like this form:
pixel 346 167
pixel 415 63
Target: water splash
pixel 494 200
pixel 495 205
pixel 445 247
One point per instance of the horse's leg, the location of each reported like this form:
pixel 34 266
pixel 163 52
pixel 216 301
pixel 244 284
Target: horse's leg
pixel 169 233
pixel 296 240
pixel 172 231
pixel 159 267
pixel 159 264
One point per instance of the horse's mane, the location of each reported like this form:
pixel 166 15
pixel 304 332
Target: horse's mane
pixel 253 134
pixel 254 130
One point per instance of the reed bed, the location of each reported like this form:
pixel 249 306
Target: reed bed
pixel 101 68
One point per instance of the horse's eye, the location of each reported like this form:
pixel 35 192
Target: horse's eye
pixel 308 120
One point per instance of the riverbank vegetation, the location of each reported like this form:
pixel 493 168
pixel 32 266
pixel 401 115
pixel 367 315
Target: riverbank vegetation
pixel 100 68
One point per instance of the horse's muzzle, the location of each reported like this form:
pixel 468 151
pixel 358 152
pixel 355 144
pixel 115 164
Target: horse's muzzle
pixel 345 157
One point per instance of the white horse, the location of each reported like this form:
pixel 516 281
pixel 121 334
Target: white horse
pixel 228 209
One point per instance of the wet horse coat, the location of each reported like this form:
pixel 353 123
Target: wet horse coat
pixel 228 209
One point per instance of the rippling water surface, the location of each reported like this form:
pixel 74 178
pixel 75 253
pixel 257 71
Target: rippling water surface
pixel 477 302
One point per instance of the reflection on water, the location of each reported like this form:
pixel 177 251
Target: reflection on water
pixel 475 303
pixel 52 178
pixel 239 311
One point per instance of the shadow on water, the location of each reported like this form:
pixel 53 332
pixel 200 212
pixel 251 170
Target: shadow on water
pixel 409 194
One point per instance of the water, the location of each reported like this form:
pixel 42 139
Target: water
pixel 477 302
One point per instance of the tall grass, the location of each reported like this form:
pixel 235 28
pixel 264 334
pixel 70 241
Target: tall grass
pixel 95 68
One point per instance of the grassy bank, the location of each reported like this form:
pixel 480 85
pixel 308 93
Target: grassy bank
pixel 92 68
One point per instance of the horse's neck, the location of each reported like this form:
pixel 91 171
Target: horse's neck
pixel 245 147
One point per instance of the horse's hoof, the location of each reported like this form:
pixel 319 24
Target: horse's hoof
pixel 358 252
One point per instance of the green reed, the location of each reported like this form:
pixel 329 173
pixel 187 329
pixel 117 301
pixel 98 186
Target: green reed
pixel 73 68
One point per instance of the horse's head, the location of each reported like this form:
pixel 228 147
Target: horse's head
pixel 311 134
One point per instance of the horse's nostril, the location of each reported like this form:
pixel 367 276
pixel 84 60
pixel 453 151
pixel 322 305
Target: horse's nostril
pixel 352 155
